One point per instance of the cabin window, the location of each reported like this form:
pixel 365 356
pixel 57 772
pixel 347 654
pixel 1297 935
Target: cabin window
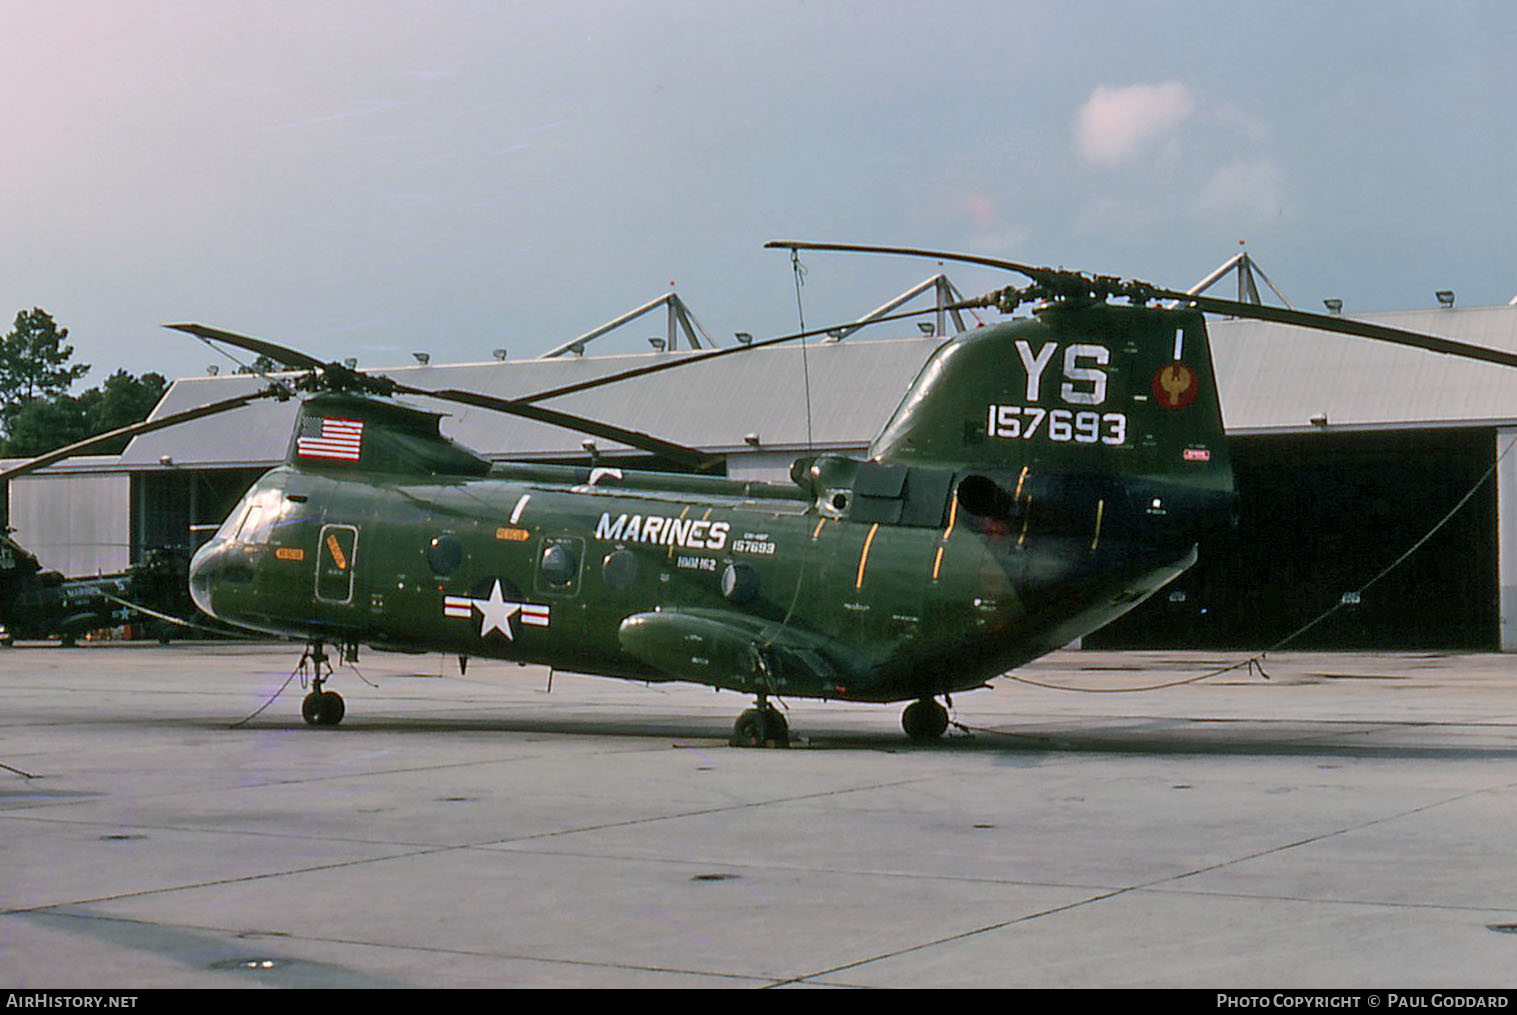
pixel 619 570
pixel 444 554
pixel 558 566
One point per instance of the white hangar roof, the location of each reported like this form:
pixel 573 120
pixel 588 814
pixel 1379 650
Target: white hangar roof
pixel 855 384
pixel 1274 379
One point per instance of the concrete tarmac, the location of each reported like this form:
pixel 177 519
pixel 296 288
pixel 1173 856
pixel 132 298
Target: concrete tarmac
pixel 1350 822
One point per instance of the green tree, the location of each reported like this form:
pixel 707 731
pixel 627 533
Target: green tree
pixel 43 424
pixel 122 400
pixel 34 363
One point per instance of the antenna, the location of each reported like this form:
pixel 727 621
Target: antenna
pixel 800 279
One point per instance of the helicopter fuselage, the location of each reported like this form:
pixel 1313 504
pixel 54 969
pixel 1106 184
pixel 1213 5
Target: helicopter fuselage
pixel 758 587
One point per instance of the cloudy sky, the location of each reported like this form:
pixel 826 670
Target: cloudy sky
pixel 369 177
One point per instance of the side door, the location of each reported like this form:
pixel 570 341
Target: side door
pixel 336 563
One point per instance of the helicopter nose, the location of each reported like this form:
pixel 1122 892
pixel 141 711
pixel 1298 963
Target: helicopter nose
pixel 203 568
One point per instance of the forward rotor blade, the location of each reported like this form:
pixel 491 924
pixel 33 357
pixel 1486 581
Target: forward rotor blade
pixel 1344 326
pixel 688 456
pixel 278 353
pixel 147 426
pixel 336 375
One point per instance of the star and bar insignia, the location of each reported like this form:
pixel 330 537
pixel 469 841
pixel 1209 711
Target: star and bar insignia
pixel 496 609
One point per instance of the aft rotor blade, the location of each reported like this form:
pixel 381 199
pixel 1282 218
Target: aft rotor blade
pixel 1344 326
pixel 146 426
pixel 278 353
pixel 688 456
pixel 1211 304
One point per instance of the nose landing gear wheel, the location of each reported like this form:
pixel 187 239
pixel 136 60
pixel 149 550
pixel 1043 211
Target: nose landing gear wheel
pixel 924 720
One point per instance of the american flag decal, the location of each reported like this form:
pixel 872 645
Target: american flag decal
pixel 330 437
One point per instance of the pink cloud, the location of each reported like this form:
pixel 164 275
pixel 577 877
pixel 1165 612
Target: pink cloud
pixel 1115 123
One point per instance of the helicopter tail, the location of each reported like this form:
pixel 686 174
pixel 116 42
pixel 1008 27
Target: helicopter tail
pixel 1100 410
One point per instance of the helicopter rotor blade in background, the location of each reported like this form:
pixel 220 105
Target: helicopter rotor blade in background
pixel 147 426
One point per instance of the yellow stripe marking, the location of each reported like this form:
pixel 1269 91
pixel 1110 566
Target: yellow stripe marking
pixel 864 556
pixel 338 557
pixel 953 519
pixel 682 515
pixel 1100 511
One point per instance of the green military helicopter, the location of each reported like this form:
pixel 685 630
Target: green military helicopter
pixel 1040 478
pixel 36 602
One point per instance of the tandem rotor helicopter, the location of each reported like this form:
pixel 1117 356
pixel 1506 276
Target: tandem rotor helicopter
pixel 1040 478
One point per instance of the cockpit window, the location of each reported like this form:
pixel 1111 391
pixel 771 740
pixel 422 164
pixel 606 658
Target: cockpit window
pixel 233 522
pixel 250 524
pixel 255 519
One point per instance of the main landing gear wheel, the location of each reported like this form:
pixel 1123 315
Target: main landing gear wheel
pixel 323 708
pixel 761 727
pixel 924 720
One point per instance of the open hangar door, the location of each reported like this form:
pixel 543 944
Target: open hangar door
pixel 181 508
pixel 1320 515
